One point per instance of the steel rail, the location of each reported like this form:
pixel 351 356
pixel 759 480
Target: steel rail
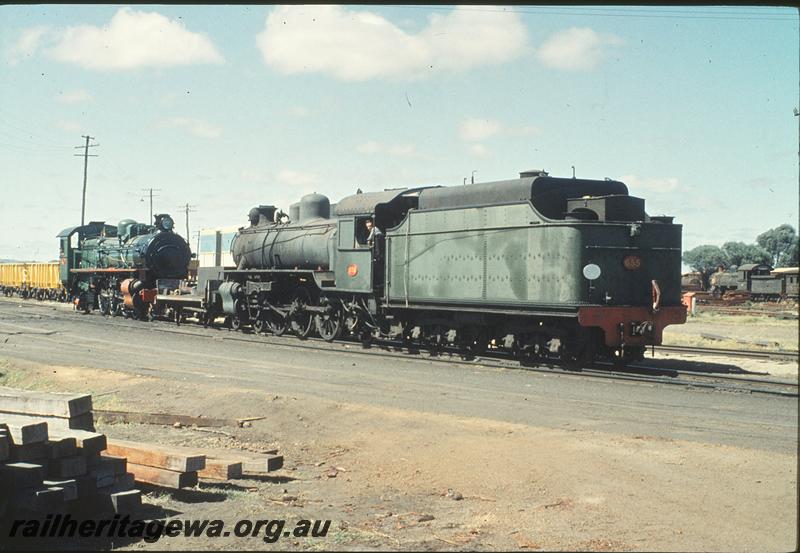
pixel 491 360
pixel 754 354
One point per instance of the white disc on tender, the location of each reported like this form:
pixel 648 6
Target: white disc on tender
pixel 592 271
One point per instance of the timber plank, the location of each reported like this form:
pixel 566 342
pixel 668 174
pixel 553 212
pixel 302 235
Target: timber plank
pixel 122 482
pixel 42 500
pixel 166 419
pixel 24 430
pixel 123 502
pixel 70 487
pixel 221 469
pixel 162 477
pixel 52 404
pixel 89 443
pixel 117 465
pixel 61 447
pixel 67 467
pixel 29 452
pixel 152 455
pixel 5 445
pixel 21 475
pixel 263 464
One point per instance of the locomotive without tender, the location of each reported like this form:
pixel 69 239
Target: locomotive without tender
pixel 546 267
pixel 115 269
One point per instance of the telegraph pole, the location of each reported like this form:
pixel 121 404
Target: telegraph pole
pixel 86 155
pixel 187 209
pixel 197 233
pixel 150 193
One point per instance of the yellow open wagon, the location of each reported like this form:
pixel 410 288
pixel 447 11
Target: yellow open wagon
pixel 39 280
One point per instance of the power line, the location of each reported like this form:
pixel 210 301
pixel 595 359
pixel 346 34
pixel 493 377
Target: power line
pixel 25 129
pixel 621 12
pixel 86 156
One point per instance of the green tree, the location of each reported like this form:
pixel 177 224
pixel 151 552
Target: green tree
pixel 705 259
pixel 739 253
pixel 779 242
pixel 790 259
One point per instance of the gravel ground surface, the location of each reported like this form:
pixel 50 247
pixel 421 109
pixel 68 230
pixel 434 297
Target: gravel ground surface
pixel 410 454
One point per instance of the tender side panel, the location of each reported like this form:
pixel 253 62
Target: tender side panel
pixel 495 255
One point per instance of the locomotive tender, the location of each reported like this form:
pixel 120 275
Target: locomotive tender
pixel 116 268
pixel 546 267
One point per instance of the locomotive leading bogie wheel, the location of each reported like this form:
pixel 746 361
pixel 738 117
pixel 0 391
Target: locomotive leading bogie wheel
pixel 234 322
pixel 104 302
pixel 330 323
pixel 300 320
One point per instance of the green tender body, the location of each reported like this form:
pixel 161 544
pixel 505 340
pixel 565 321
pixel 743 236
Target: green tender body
pixel 509 256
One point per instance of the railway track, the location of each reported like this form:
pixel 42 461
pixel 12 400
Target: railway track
pixel 494 359
pixel 752 354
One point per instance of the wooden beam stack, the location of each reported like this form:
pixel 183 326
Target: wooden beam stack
pixel 61 410
pixel 51 458
pixel 49 471
pixel 179 467
pixel 159 465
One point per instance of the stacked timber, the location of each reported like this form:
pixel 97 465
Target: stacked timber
pixel 180 467
pixel 230 465
pixel 48 466
pixel 159 465
pixel 62 410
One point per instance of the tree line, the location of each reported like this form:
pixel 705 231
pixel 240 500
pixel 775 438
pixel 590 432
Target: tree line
pixel 776 247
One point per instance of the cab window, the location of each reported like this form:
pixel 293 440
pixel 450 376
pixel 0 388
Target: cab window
pixel 361 231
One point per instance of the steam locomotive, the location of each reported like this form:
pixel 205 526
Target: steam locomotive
pixel 547 268
pixel 760 282
pixel 116 268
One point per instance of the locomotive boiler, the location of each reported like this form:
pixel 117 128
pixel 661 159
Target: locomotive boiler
pixel 116 268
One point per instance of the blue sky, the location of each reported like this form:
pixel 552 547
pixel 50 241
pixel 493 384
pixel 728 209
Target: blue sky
pixel 226 107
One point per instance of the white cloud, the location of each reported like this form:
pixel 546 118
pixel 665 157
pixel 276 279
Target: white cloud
pixel 654 184
pixel 297 178
pixel 197 127
pixel 396 150
pixel 472 130
pixel 132 39
pixel 69 126
pixel 356 45
pixel 576 49
pixel 479 151
pixel 28 43
pixel 475 130
pixel 73 97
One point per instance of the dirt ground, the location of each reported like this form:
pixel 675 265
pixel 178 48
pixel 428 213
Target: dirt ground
pixel 740 331
pixel 402 479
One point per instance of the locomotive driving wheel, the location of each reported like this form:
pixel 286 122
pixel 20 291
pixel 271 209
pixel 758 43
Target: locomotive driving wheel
pixel 330 323
pixel 301 321
pixel 277 323
pixel 259 325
